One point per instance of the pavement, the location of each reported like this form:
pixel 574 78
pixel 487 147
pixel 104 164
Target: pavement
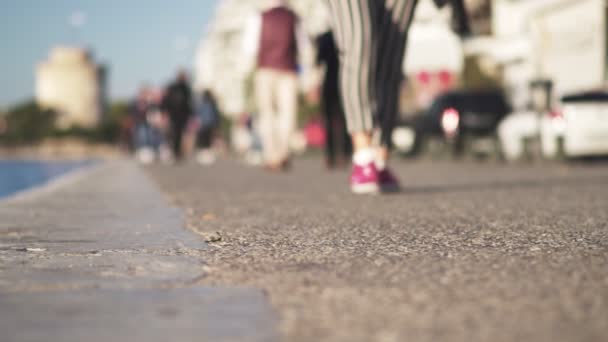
pixel 467 252
pixel 100 255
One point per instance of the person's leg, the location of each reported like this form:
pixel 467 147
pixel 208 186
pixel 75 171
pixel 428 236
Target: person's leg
pixel 203 137
pixel 177 140
pixel 393 24
pixel 266 112
pixel 200 138
pixel 205 155
pixel 286 90
pixel 207 140
pixel 343 142
pixel 180 140
pixel 339 143
pixel 165 132
pixel 177 133
pixel 330 119
pixel 394 20
pixel 156 138
pixel 354 27
pixel 139 138
pixel 144 151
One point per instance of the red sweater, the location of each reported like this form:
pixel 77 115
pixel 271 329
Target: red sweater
pixel 278 45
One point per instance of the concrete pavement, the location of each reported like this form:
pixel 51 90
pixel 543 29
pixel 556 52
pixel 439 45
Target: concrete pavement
pixel 101 256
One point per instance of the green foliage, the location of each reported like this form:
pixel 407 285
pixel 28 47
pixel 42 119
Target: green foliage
pixel 26 123
pixel 108 130
pixel 86 134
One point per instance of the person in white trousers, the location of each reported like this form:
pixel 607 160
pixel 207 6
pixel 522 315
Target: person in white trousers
pixel 275 40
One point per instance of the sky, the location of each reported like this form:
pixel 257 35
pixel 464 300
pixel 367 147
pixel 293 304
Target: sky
pixel 141 41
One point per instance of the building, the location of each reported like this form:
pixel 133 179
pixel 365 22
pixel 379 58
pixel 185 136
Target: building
pixel 72 84
pixel 534 41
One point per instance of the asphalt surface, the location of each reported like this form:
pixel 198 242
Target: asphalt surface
pixel 101 256
pixel 467 252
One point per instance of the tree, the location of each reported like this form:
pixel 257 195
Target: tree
pixel 26 123
pixel 112 125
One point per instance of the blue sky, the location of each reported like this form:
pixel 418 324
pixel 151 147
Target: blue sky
pixel 140 40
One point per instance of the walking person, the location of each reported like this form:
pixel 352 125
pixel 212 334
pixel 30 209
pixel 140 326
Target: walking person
pixel 274 39
pixel 208 117
pixel 177 102
pixel 338 148
pixel 372 36
pixel 147 137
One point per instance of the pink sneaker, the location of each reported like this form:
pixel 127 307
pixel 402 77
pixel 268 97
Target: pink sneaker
pixel 388 182
pixel 364 179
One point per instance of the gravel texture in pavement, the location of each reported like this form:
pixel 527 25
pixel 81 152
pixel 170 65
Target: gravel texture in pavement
pixel 467 252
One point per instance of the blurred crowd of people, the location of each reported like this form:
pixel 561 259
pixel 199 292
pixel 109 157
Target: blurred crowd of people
pixel 164 125
pixel 362 58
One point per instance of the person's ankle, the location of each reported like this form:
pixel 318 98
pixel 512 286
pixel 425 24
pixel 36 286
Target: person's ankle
pixel 380 164
pixel 364 156
pixel 381 160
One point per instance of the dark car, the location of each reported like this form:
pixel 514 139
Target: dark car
pixel 457 115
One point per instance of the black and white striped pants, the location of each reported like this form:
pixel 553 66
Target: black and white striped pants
pixel 371 36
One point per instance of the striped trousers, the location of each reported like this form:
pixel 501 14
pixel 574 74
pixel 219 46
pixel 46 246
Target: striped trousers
pixel 371 36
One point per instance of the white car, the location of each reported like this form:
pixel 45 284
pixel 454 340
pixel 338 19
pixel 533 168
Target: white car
pixel 585 125
pixel 579 129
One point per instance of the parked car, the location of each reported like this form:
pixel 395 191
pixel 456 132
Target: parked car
pixel 453 116
pixel 584 125
pixel 578 129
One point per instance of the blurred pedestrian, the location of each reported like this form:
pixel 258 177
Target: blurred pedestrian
pixel 208 118
pixel 338 148
pixel 147 137
pixel 371 36
pixel 177 102
pixel 274 38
